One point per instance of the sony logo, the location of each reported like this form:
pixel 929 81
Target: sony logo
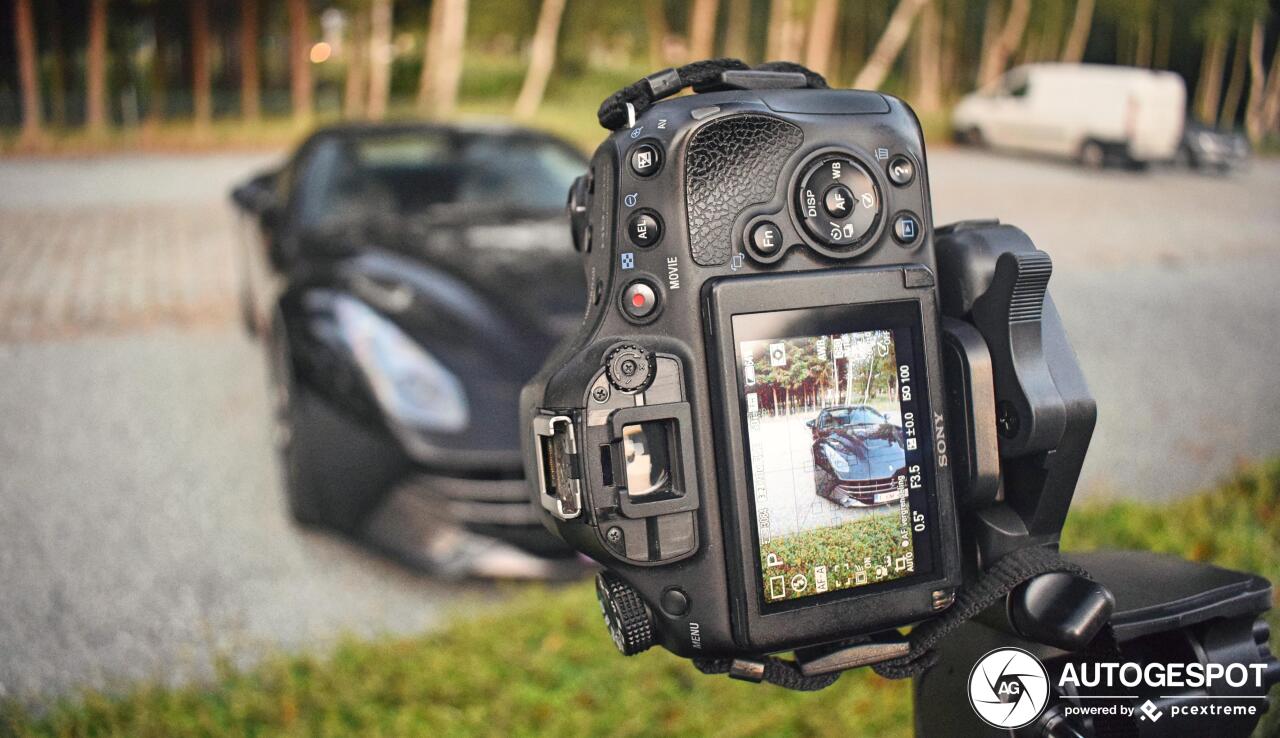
pixel 940 438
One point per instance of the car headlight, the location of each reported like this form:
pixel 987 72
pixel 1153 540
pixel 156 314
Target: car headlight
pixel 412 386
pixel 838 462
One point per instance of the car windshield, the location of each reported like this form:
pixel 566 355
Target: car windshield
pixel 409 173
pixel 851 416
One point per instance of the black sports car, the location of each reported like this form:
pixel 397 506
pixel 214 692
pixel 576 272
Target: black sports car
pixel 858 456
pixel 1212 149
pixel 408 279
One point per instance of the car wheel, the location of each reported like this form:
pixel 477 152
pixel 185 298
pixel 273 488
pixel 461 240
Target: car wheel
pixel 1093 155
pixel 970 137
pixel 334 472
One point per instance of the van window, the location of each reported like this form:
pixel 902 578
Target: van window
pixel 1020 88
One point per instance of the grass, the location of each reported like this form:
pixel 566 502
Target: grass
pixel 868 539
pixel 544 666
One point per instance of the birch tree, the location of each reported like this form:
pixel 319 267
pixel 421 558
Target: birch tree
pixel 542 57
pixel 889 46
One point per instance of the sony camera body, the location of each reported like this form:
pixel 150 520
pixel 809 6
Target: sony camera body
pixel 747 431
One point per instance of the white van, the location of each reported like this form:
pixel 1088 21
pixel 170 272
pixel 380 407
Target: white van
pixel 1091 112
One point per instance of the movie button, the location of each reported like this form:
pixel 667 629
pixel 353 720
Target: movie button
pixel 644 228
pixel 901 171
pixel 838 201
pixel 639 300
pixel 906 229
pixel 674 602
pixel 646 159
pixel 766 238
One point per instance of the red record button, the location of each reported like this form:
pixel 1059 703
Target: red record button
pixel 639 300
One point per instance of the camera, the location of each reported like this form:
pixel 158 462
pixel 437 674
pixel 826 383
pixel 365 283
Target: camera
pixel 748 429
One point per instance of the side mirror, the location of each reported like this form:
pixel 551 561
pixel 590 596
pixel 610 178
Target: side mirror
pixel 258 197
pixel 811 423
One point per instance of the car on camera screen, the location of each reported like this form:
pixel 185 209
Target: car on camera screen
pixel 857 455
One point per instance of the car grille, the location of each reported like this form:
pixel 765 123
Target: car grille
pixel 871 486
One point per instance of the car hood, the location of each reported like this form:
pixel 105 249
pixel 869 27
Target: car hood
pixel 873 452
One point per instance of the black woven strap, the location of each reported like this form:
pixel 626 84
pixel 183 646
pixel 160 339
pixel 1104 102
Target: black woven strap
pixel 643 93
pixel 994 584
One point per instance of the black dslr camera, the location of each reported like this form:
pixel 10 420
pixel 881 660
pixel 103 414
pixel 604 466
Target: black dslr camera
pixel 747 430
pixel 796 417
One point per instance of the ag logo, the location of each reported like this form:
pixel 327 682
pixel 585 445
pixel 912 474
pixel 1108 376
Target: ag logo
pixel 1008 688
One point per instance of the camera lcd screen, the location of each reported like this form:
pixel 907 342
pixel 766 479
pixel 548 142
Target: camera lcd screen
pixel 835 408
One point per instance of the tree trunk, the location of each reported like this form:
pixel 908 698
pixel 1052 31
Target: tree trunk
pixel 250 85
pixel 655 26
pixel 1253 123
pixel 822 32
pixel 952 52
pixel 96 68
pixel 24 29
pixel 702 29
pixel 300 89
pixel 1271 99
pixel 542 57
pixel 379 58
pixel 201 96
pixel 1078 38
pixel 157 102
pixel 442 70
pixel 996 56
pixel 58 70
pixel 737 29
pixel 779 28
pixel 926 80
pixel 355 84
pixel 890 45
pixel 1164 40
pixel 1142 50
pixel 1209 86
pixel 1235 87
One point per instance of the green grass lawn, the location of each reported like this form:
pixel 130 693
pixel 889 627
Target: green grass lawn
pixel 867 539
pixel 543 665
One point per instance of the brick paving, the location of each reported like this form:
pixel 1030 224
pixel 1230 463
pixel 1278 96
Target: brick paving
pixel 115 269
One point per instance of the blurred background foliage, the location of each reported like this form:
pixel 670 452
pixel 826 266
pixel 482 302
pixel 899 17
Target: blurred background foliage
pixel 91 73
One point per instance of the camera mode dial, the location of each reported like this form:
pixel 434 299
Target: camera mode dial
pixel 625 614
pixel 629 368
pixel 839 202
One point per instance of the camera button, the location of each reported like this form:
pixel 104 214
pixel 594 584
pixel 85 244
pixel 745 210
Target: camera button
pixel 766 238
pixel 838 201
pixel 644 228
pixel 901 171
pixel 674 602
pixel 639 300
pixel 646 159
pixel 906 229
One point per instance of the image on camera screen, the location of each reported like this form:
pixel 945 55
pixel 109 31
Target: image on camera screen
pixel 829 461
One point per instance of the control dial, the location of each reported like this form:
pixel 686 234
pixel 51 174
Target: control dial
pixel 839 202
pixel 624 613
pixel 629 368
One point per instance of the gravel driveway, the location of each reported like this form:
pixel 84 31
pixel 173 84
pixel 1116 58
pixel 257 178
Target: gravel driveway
pixel 141 525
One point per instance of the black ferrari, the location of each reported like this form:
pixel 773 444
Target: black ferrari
pixel 407 280
pixel 858 456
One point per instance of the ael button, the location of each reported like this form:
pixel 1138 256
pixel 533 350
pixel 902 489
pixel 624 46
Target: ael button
pixel 901 170
pixel 639 300
pixel 646 159
pixel 644 228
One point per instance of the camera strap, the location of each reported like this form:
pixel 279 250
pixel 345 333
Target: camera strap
pixel 620 109
pixel 994 584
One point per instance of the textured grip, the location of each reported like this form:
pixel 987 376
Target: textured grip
pixel 731 164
